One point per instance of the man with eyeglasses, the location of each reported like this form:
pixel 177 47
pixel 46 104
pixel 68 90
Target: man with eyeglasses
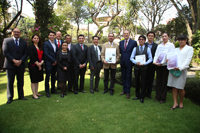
pixel 15 51
pixel 140 70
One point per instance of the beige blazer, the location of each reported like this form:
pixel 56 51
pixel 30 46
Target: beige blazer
pixel 104 46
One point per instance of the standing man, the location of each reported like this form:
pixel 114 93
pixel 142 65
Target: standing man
pixel 58 40
pixel 109 67
pixel 50 49
pixel 140 70
pixel 126 47
pixel 80 63
pixel 15 51
pixel 68 39
pixel 151 66
pixel 94 58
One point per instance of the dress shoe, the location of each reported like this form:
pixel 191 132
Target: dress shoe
pixel 22 98
pixel 82 91
pixel 111 92
pixel 48 95
pixel 54 92
pixel 128 96
pixel 150 97
pixel 142 100
pixel 9 101
pixel 136 98
pixel 122 93
pixel 61 95
pixel 96 90
pixel 92 91
pixel 104 92
pixel 75 92
pixel 65 94
pixel 35 98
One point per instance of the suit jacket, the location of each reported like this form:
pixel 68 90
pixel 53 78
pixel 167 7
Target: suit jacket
pixel 92 57
pixel 153 49
pixel 106 45
pixel 125 54
pixel 60 48
pixel 50 55
pixel 79 55
pixel 10 52
pixel 32 52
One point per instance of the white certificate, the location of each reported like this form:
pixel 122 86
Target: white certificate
pixel 110 55
pixel 141 59
pixel 172 60
pixel 162 52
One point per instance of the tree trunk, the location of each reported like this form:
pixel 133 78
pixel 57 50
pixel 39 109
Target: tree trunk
pixel 77 30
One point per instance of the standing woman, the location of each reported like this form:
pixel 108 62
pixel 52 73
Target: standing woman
pixel 63 71
pixel 161 71
pixel 35 52
pixel 185 54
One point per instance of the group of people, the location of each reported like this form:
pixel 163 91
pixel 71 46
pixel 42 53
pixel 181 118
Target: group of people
pixel 70 61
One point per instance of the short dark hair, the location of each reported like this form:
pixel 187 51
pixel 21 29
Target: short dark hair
pixel 52 32
pixel 67 35
pixel 80 35
pixel 142 37
pixel 165 33
pixel 151 32
pixel 63 42
pixel 183 37
pixel 94 37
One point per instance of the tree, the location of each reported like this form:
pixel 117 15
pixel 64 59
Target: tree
pixel 153 10
pixel 194 6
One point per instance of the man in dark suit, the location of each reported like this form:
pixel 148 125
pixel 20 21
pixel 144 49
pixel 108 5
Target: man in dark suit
pixel 151 66
pixel 68 39
pixel 50 49
pixel 15 51
pixel 126 47
pixel 80 63
pixel 58 40
pixel 94 59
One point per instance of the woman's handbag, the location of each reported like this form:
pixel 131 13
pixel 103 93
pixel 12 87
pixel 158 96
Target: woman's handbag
pixel 176 73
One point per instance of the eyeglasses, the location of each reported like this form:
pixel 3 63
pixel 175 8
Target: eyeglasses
pixel 141 39
pixel 16 31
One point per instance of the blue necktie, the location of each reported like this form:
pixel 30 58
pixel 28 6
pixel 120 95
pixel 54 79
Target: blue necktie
pixel 16 43
pixel 141 50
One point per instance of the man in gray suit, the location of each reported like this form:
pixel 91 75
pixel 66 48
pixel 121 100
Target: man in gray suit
pixel 15 51
pixel 93 54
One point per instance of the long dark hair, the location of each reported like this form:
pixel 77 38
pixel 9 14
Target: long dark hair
pixel 39 43
pixel 183 37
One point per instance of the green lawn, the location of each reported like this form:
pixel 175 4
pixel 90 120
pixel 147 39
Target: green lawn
pixel 93 113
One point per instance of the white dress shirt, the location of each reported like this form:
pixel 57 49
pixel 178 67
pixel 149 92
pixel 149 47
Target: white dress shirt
pixel 99 53
pixel 69 46
pixel 53 45
pixel 15 40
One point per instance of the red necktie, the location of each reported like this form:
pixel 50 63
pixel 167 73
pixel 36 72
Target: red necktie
pixel 82 46
pixel 58 43
pixel 125 45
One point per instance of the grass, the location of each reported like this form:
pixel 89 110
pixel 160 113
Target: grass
pixel 95 113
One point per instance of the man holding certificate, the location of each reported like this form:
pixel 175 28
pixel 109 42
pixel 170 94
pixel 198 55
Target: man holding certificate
pixel 110 56
pixel 141 57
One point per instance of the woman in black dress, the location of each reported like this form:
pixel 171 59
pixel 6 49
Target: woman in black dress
pixel 35 52
pixel 63 60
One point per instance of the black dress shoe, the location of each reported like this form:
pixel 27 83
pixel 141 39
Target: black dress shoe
pixel 96 90
pixel 150 97
pixel 92 91
pixel 136 98
pixel 75 92
pixel 128 96
pixel 111 92
pixel 54 92
pixel 122 93
pixel 62 95
pixel 82 91
pixel 142 100
pixel 22 98
pixel 9 101
pixel 48 95
pixel 36 98
pixel 104 92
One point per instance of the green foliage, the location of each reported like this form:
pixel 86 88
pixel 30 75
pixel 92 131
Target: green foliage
pixel 197 74
pixel 196 56
pixel 196 39
pixel 176 44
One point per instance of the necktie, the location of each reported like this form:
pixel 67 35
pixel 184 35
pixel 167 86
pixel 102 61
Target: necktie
pixel 69 47
pixel 82 46
pixel 96 52
pixel 58 43
pixel 125 44
pixel 16 43
pixel 141 49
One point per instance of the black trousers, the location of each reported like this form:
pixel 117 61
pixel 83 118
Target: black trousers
pixel 95 73
pixel 106 77
pixel 50 71
pixel 161 83
pixel 19 71
pixel 140 82
pixel 79 72
pixel 71 82
pixel 150 79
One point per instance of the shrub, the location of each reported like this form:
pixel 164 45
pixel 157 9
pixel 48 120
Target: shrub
pixel 192 90
pixel 176 44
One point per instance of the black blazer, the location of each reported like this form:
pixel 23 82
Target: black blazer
pixel 32 52
pixel 153 49
pixel 10 52
pixel 50 55
pixel 79 55
pixel 59 54
pixel 92 57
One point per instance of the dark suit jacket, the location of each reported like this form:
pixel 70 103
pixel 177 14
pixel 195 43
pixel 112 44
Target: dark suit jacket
pixel 32 52
pixel 79 55
pixel 60 48
pixel 92 57
pixel 50 55
pixel 153 49
pixel 125 54
pixel 10 52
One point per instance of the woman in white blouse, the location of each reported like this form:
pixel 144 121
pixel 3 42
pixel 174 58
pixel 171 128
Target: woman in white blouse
pixel 185 54
pixel 161 70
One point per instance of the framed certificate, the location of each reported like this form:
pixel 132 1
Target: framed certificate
pixel 162 52
pixel 172 60
pixel 110 55
pixel 141 59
